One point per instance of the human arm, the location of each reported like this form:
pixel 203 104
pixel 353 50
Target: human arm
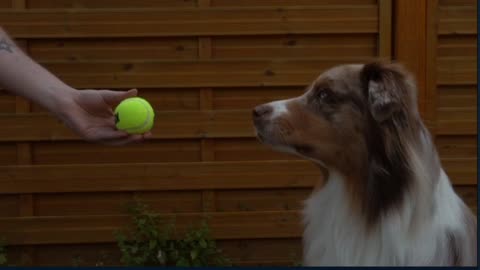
pixel 88 113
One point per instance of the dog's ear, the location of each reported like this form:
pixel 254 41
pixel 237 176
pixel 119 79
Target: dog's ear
pixel 385 87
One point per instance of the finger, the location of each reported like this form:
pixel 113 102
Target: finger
pixel 123 141
pixel 148 135
pixel 106 134
pixel 113 98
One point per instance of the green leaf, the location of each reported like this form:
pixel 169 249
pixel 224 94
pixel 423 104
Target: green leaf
pixel 183 263
pixel 152 244
pixel 193 254
pixel 203 243
pixel 3 259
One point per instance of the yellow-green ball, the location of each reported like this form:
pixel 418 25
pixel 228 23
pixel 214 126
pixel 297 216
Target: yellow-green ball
pixel 134 116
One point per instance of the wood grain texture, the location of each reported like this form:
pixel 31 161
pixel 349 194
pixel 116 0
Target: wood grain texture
pixel 146 49
pixel 204 64
pixel 456 99
pixel 200 73
pixel 242 252
pixel 151 151
pixel 385 29
pixel 115 203
pixel 8 153
pixel 99 4
pixel 191 21
pixel 431 63
pixel 173 125
pixel 410 42
pixel 457 20
pixel 294 46
pixel 157 176
pixel 7 102
pixel 250 3
pixel 100 229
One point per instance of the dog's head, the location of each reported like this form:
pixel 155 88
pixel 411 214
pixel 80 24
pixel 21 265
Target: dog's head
pixel 339 117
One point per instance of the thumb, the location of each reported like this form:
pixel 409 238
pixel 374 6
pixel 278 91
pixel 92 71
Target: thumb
pixel 113 98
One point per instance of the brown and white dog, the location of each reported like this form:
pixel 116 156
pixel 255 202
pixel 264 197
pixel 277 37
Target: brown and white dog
pixel 386 199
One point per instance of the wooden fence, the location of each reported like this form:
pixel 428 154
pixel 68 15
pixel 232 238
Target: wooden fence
pixel 204 64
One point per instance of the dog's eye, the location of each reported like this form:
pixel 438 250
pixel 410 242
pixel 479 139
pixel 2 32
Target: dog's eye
pixel 325 95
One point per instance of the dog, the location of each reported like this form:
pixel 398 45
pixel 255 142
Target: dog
pixel 385 201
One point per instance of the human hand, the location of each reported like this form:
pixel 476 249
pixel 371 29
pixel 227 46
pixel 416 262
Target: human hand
pixel 89 113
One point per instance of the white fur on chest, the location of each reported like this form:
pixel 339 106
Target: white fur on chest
pixel 334 236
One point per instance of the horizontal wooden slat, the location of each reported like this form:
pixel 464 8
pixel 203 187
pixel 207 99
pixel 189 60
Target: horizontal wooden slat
pixel 8 153
pixel 248 97
pixel 112 49
pixel 9 205
pixel 252 3
pixel 246 252
pixel 457 12
pixel 190 21
pixel 100 229
pixel 457 27
pixel 7 102
pixel 168 125
pixel 157 176
pixel 88 153
pixel 151 151
pixel 184 3
pixel 457 97
pixel 223 47
pixel 457 2
pixel 457 63
pixel 181 176
pixel 114 203
pixel 261 200
pixel 162 99
pixel 457 146
pixel 246 149
pixel 457 20
pixel 452 114
pixel 186 150
pixel 468 195
pixel 456 76
pixel 174 125
pixel 294 46
pixel 462 171
pixel 457 127
pixel 33 4
pixel 457 46
pixel 201 73
pixel 263 251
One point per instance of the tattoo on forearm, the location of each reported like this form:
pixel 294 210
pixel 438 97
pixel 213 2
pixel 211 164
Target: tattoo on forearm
pixel 5 45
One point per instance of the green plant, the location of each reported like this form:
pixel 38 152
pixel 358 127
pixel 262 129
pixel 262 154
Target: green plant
pixel 146 245
pixel 77 261
pixel 3 253
pixel 296 259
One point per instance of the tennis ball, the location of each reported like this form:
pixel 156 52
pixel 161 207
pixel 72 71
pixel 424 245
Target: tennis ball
pixel 134 116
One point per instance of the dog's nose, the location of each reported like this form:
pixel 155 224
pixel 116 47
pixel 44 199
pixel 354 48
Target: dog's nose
pixel 262 111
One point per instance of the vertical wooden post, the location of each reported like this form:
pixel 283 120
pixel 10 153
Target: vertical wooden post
pixel 410 42
pixel 385 29
pixel 431 66
pixel 206 103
